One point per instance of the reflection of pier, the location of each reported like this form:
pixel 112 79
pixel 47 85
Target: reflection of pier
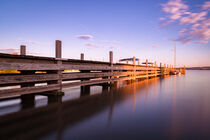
pixel 33 74
pixel 33 123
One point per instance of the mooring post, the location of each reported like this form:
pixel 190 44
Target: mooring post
pixel 139 62
pixel 82 56
pixel 58 55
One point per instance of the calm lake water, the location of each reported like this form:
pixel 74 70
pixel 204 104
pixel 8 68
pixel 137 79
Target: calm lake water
pixel 175 107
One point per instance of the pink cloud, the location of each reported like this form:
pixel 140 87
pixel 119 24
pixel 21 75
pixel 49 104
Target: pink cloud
pixel 154 45
pixel 175 9
pixel 183 31
pixel 193 18
pixel 114 47
pixel 206 5
pixel 85 37
pixel 10 50
pixel 92 45
pixel 184 40
pixel 196 25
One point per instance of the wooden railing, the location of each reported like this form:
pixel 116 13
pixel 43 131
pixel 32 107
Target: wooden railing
pixel 52 72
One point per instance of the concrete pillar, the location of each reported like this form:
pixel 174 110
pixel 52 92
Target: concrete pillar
pixel 85 90
pixel 105 88
pixel 82 56
pixel 54 99
pixel 27 101
pixel 22 50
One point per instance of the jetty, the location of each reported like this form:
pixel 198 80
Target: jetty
pixel 49 75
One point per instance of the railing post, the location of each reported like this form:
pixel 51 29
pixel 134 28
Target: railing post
pixel 126 61
pixel 134 67
pixel 111 64
pixel 27 100
pixel 147 71
pixel 82 56
pixel 58 45
pixel 111 58
pixel 184 70
pixel 161 70
pixel 134 60
pixel 167 69
pixel 164 69
pixel 155 68
pixel 58 55
pixel 22 50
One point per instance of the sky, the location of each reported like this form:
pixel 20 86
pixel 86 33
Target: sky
pixel 145 29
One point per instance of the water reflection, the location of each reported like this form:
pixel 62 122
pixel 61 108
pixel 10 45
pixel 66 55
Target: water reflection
pixel 158 108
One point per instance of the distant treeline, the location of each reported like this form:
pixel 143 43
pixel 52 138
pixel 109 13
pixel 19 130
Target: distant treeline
pixel 198 68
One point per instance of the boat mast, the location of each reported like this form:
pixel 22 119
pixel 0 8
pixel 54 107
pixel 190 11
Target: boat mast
pixel 175 53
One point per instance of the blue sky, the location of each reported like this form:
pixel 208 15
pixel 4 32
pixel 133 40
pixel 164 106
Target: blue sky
pixel 144 29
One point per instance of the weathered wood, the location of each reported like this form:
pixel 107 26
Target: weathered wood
pixel 22 50
pixel 17 79
pixel 58 53
pixel 82 57
pixel 27 90
pixel 111 57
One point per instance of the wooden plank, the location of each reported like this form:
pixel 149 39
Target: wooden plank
pixel 27 66
pixel 27 90
pixel 31 66
pixel 17 79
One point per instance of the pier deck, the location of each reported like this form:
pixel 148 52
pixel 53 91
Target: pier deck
pixel 35 74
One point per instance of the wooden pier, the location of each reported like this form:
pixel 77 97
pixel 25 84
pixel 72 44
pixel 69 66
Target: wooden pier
pixel 36 74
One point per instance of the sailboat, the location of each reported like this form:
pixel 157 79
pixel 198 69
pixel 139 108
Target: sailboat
pixel 175 72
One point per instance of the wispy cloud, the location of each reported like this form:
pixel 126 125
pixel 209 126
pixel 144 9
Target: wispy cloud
pixel 10 51
pixel 25 41
pixel 16 51
pixel 91 45
pixel 196 26
pixel 154 45
pixel 84 37
pixel 206 5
